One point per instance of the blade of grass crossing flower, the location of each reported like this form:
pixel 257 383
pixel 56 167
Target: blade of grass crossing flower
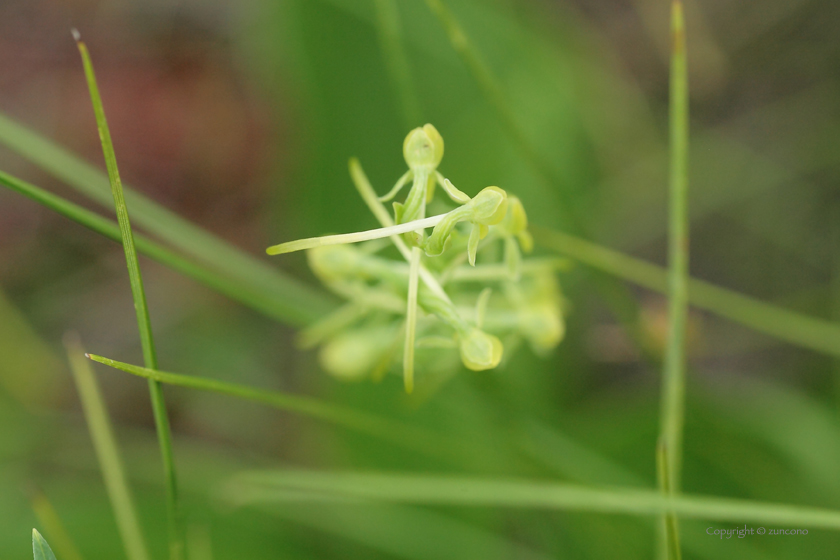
pixel 411 320
pixel 672 415
pixel 256 297
pixel 40 549
pixel 143 322
pixel 524 493
pixel 107 452
pixel 390 42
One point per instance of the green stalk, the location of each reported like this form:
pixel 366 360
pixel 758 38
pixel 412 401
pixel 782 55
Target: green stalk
pixel 453 490
pixel 144 325
pixel 390 42
pixel 253 295
pixel 105 445
pixel 672 416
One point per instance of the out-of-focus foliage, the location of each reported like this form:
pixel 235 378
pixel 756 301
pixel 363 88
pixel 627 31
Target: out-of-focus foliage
pixel 242 116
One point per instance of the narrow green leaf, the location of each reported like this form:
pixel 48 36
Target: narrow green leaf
pixel 389 430
pixel 107 452
pixel 293 301
pixel 257 487
pixel 40 548
pixel 253 295
pixel 795 328
pixel 144 325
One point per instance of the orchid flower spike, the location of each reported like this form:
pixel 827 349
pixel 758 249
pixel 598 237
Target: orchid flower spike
pixel 409 303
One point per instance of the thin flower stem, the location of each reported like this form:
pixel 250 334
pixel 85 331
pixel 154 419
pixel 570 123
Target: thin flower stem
pixel 312 242
pixel 411 320
pixel 176 541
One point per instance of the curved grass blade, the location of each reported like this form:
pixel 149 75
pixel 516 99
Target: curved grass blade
pixel 294 302
pixel 790 326
pixel 269 486
pixel 107 452
pixel 254 296
pixel 406 436
pixel 144 325
pixel 40 549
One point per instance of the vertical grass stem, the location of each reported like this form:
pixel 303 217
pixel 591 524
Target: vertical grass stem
pixel 143 322
pixel 673 375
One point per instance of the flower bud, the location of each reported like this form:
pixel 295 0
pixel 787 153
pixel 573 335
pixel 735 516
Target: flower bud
pixel 480 351
pixel 423 147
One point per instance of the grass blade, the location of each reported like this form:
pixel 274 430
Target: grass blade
pixel 672 415
pixel 144 325
pixel 267 486
pixel 298 303
pixel 493 92
pixel 790 326
pixel 40 549
pixel 384 428
pixel 105 445
pixel 254 296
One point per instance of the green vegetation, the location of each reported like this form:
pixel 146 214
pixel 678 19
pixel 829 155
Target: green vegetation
pixel 474 433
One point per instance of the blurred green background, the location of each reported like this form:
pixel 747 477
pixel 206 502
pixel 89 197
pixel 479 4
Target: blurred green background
pixel 241 116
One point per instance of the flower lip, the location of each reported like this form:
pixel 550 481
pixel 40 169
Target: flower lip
pixel 489 206
pixel 423 147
